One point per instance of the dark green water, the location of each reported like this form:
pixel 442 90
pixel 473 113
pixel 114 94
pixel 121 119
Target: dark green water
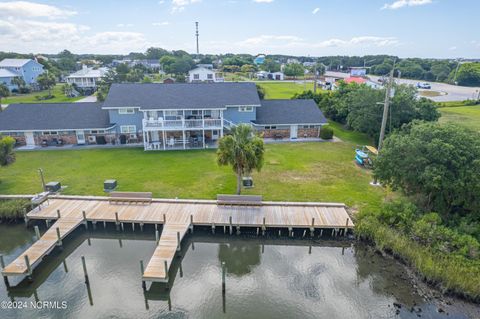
pixel 266 278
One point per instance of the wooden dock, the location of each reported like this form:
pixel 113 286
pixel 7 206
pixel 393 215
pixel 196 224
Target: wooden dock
pixel 176 216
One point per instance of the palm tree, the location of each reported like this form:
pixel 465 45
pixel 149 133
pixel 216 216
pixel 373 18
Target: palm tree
pixel 19 82
pixel 243 150
pixel 4 92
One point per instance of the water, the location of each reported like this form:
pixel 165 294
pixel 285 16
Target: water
pixel 272 278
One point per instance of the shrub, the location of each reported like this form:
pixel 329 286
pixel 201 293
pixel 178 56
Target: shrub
pixel 326 133
pixel 12 209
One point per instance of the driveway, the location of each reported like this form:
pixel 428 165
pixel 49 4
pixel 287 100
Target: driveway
pixel 90 98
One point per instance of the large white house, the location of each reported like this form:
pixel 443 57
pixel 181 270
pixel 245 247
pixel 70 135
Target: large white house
pixel 202 74
pixel 86 78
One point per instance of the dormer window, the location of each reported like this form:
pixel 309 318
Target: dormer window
pixel 126 110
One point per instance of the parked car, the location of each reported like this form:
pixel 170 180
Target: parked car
pixel 424 85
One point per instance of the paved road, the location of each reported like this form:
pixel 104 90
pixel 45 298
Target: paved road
pixel 449 92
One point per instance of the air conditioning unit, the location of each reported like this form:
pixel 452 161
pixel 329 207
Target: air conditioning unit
pixel 247 182
pixel 53 187
pixel 92 139
pixel 109 185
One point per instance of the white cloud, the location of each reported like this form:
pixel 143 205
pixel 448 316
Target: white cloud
pixel 280 42
pixel 452 48
pixel 405 3
pixel 124 25
pixel 179 5
pixel 25 9
pixel 116 41
pixel 315 11
pixel 263 1
pixel 160 24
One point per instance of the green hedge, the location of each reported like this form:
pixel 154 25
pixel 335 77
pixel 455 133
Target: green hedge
pixel 326 133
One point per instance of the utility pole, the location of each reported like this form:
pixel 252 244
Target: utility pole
pixel 386 105
pixel 456 71
pixel 41 177
pixel 196 35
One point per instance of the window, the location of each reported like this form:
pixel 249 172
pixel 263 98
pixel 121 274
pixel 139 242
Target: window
pixel 128 129
pixel 245 109
pixel 49 133
pixel 270 127
pixel 196 76
pixel 126 110
pixel 309 126
pixel 97 131
pixel 210 76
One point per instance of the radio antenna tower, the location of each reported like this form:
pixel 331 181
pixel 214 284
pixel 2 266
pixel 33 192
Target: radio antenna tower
pixel 196 35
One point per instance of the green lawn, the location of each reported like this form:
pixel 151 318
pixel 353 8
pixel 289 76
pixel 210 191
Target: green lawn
pixel 30 98
pixel 468 116
pixel 292 172
pixel 284 90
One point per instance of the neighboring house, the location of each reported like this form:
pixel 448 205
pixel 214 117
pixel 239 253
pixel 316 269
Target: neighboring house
pixel 309 64
pixel 6 77
pixel 204 75
pixel 205 65
pixel 259 59
pixel 292 61
pixel 86 78
pixel 264 75
pixel 358 80
pixel 148 63
pixel 56 123
pixel 27 69
pixel 289 119
pixel 162 117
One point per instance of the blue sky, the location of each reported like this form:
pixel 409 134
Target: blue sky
pixel 408 28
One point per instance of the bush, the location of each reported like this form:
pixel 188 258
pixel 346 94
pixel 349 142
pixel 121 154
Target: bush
pixel 326 133
pixel 12 209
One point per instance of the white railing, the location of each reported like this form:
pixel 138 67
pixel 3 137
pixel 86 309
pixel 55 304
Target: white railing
pixel 183 124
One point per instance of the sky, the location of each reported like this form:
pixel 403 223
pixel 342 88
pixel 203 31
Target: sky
pixel 407 28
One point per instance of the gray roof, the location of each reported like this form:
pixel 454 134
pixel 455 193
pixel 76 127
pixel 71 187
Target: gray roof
pixel 4 73
pixel 14 62
pixel 289 112
pixel 182 95
pixel 53 116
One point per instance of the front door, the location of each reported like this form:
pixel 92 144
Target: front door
pixel 293 131
pixel 80 137
pixel 215 135
pixel 29 139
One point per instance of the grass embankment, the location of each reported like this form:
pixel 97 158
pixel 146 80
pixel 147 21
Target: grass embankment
pixel 13 208
pixel 468 116
pixel 451 272
pixel 57 92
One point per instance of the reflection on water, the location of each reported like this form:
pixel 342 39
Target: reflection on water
pixel 266 278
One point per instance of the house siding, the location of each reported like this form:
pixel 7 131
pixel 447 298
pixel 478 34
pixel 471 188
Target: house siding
pixel 8 82
pixel 31 71
pixel 232 114
pixel 126 119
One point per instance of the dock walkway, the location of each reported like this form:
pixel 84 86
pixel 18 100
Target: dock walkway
pixel 176 216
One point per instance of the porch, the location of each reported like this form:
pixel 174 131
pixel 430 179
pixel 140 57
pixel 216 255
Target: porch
pixel 180 140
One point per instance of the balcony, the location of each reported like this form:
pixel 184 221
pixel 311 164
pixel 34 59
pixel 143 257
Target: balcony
pixel 182 124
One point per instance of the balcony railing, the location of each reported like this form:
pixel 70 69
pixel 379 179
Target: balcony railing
pixel 182 124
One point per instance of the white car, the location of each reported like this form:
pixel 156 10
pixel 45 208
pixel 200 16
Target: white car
pixel 424 85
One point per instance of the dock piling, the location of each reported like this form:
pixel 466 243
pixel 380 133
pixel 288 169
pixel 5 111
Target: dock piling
pixel 231 226
pixel 142 269
pixel 133 227
pixel 312 229
pixel 165 265
pixel 37 232
pixel 178 241
pixel 346 228
pixel 164 219
pixel 58 214
pixel 264 228
pixel 59 238
pixel 213 228
pixel 238 230
pixel 29 268
pixel 85 219
pixel 117 222
pixel 25 217
pixel 5 278
pixel 47 223
pixel 191 223
pixel 141 227
pixel 157 237
pixel 84 265
pixel 290 232
pixel 223 277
